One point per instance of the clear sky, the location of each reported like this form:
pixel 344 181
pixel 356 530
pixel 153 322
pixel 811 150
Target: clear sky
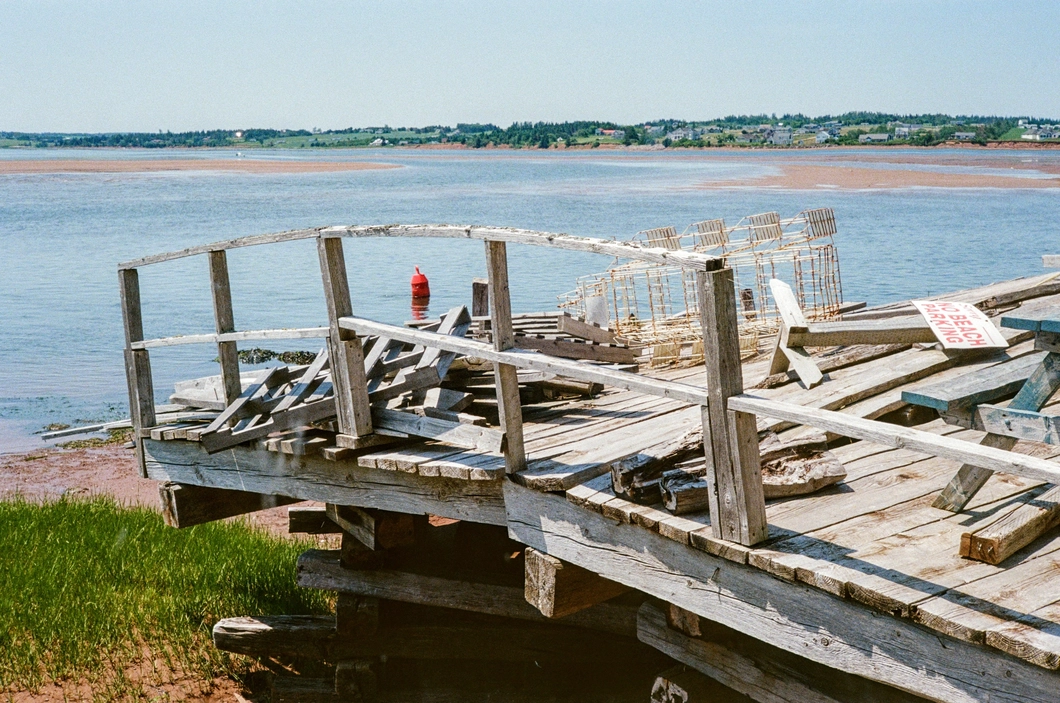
pixel 111 65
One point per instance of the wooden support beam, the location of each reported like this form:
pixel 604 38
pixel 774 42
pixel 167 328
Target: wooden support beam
pixel 683 684
pixel 356 680
pixel 137 362
pixel 345 351
pixel 185 505
pixel 312 478
pixel 558 589
pixel 310 520
pixel 224 322
pixel 509 407
pixel 454 589
pixel 785 352
pixel 730 437
pixel 1035 393
pixel 749 667
pixel 788 616
pixel 356 616
pixel 1021 424
pixel 375 529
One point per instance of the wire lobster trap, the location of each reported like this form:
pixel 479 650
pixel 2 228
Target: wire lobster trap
pixel 655 306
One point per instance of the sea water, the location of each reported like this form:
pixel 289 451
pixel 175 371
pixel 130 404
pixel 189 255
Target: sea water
pixel 62 235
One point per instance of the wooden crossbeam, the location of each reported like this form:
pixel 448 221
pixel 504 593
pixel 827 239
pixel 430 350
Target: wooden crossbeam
pixel 185 505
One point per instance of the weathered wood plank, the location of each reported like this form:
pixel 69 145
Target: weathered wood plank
pixel 1001 539
pixel 224 322
pixel 312 478
pixel 557 589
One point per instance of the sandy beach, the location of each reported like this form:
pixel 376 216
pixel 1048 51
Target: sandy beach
pixel 237 165
pixel 812 177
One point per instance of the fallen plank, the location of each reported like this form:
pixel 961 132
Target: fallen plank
pixel 1001 539
pixel 456 433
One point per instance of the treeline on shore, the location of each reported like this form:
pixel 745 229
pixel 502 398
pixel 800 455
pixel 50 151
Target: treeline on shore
pixel 847 128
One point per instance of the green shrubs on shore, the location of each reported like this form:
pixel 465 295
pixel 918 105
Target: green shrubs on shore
pixel 88 587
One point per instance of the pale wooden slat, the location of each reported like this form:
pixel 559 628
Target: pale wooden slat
pixel 508 404
pixel 224 322
pixel 244 336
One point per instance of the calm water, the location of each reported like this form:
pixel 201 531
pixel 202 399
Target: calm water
pixel 61 237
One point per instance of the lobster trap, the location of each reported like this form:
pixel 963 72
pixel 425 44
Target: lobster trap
pixel 655 306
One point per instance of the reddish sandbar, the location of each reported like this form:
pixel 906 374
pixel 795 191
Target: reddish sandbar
pixel 808 177
pixel 158 165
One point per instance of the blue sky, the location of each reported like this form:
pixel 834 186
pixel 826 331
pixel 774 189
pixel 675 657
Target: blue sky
pixel 99 65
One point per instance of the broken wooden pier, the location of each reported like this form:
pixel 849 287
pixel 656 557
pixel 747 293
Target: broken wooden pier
pixel 512 505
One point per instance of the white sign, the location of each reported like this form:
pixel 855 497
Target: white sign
pixel 960 325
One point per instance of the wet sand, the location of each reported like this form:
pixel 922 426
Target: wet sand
pixel 812 177
pixel 236 165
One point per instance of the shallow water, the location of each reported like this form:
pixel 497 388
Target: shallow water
pixel 61 236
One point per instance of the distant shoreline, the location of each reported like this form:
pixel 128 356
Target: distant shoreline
pixel 44 166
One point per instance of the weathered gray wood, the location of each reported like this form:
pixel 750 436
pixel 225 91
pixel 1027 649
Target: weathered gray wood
pixel 575 349
pixel 313 478
pixel 460 591
pixel 137 362
pixel 345 351
pixel 480 297
pixel 899 437
pixel 683 684
pixel 525 359
pixel 1021 424
pixel 189 505
pixel 1042 383
pixel 730 437
pixel 1001 539
pixel 224 322
pixel 752 668
pixel 684 492
pixel 737 671
pixel 558 589
pixel 457 434
pixel 791 616
pixel 654 460
pixel 305 636
pixel 311 520
pixel 625 250
pixel 585 330
pixel 786 352
pixel 985 385
pixel 241 336
pixel 509 407
pixel 356 615
pixel 895 330
pixel 375 529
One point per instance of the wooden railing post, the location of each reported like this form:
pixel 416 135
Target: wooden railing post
pixel 224 321
pixel 737 503
pixel 344 347
pixel 137 363
pixel 508 405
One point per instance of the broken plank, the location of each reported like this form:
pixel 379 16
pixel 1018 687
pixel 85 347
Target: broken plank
pixel 1001 539
pixel 455 433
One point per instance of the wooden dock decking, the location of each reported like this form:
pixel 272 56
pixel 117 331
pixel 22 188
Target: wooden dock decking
pixel 864 577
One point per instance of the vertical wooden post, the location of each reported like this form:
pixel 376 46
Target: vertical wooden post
pixel 507 380
pixel 737 503
pixel 224 321
pixel 137 363
pixel 480 297
pixel 344 347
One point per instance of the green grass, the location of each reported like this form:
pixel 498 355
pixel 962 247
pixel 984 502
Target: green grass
pixel 1013 134
pixel 86 585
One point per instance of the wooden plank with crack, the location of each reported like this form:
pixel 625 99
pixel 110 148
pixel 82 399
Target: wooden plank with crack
pixel 558 589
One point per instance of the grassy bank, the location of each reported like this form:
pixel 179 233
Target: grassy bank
pixel 86 587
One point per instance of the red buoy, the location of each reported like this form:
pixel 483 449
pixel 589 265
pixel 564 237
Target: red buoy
pixel 420 287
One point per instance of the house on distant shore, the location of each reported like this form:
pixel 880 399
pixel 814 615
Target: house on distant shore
pixel 874 137
pixel 822 137
pixel 781 136
pixel 964 136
